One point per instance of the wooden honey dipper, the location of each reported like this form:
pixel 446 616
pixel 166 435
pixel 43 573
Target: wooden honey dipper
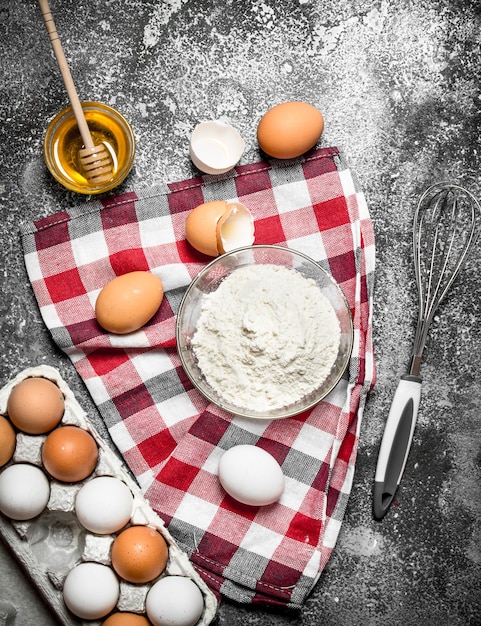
pixel 96 161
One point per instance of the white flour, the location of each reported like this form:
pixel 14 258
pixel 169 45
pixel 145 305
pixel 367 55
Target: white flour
pixel 266 337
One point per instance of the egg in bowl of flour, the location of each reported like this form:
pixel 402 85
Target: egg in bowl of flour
pixel 264 332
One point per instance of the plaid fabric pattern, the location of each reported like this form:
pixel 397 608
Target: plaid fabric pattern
pixel 169 435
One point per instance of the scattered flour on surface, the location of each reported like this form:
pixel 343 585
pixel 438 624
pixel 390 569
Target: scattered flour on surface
pixel 266 337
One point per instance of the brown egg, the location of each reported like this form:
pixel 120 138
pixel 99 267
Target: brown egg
pixel 218 226
pixel 289 129
pixel 128 302
pixel 69 454
pixel 139 554
pixel 35 405
pixel 126 619
pixel 7 441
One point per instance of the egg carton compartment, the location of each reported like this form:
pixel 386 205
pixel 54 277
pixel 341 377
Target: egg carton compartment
pixel 52 543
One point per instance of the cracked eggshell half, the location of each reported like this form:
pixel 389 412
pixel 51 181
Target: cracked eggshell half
pixel 215 147
pixel 218 226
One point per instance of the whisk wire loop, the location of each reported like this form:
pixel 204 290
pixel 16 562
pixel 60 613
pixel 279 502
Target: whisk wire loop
pixel 446 224
pixel 445 229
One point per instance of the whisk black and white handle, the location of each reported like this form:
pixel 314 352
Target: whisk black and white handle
pixel 445 229
pixel 396 442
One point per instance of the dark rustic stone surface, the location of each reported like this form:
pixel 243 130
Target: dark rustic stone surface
pixel 398 82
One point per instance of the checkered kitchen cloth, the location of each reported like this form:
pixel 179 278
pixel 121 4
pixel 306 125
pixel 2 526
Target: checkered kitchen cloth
pixel 169 435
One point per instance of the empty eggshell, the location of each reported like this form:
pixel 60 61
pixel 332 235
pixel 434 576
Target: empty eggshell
pixel 251 475
pixel 128 302
pixel 215 147
pixel 218 226
pixel 290 129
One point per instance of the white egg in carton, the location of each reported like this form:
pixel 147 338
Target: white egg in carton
pixel 50 545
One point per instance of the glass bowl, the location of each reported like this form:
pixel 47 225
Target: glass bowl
pixel 210 278
pixel 62 143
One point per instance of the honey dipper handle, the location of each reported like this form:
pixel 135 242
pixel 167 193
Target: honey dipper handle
pixel 66 75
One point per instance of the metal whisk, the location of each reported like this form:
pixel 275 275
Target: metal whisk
pixel 445 229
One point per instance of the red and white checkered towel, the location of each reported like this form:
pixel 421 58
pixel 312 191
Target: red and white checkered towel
pixel 169 435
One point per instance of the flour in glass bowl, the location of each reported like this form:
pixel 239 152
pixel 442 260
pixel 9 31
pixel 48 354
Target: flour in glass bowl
pixel 266 337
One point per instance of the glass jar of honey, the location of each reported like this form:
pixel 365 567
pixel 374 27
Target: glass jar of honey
pixel 63 141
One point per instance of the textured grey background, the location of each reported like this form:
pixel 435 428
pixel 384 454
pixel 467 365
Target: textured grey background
pixel 398 82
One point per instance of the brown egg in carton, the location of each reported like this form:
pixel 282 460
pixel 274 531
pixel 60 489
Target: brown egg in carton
pixel 54 542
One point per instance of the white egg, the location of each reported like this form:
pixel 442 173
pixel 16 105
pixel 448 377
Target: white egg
pixel 251 475
pixel 104 505
pixel 24 491
pixel 174 601
pixel 91 590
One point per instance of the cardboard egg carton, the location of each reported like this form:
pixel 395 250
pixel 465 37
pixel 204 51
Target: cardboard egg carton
pixel 51 544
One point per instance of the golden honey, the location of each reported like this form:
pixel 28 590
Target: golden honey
pixel 63 143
